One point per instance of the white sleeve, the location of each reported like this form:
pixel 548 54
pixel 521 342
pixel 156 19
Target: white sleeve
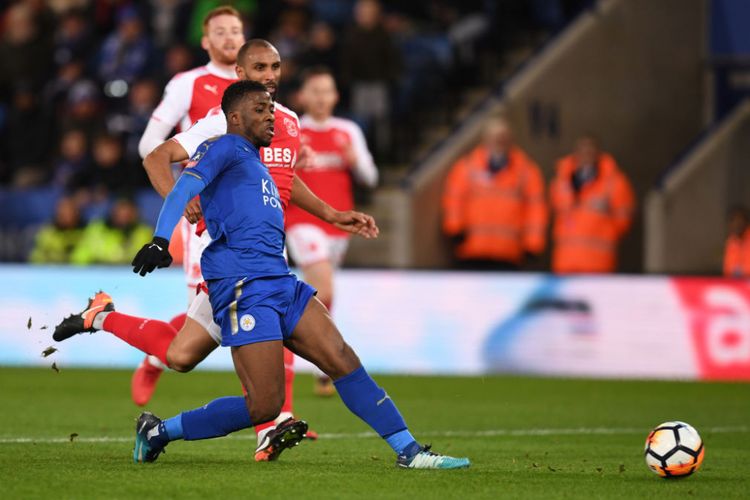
pixel 365 172
pixel 213 124
pixel 156 132
pixel 175 103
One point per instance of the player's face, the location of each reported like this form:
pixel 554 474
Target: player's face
pixel 223 39
pixel 319 96
pixel 257 119
pixel 262 65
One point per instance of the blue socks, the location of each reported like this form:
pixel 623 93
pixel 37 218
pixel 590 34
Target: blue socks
pixel 371 403
pixel 169 430
pixel 358 391
pixel 218 418
pixel 173 427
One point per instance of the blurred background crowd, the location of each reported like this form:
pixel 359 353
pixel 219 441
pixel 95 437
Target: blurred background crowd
pixel 79 80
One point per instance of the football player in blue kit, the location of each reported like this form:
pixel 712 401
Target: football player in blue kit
pixel 258 303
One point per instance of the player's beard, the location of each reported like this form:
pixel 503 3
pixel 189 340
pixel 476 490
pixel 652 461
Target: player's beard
pixel 226 57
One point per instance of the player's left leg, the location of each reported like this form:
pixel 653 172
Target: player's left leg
pixel 317 254
pixel 316 338
pixel 320 276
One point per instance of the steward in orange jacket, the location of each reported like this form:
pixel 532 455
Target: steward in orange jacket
pixel 737 250
pixel 493 202
pixel 593 206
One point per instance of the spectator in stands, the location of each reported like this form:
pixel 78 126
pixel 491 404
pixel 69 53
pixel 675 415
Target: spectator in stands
pixel 370 65
pixel 72 38
pixel 493 203
pixel 177 59
pixel 26 138
pixel 55 242
pixel 114 240
pixel 737 250
pixel 322 49
pixel 593 206
pixel 131 123
pixel 83 109
pixel 73 158
pixel 56 90
pixel 25 50
pixel 290 37
pixel 168 20
pixel 126 53
pixel 107 173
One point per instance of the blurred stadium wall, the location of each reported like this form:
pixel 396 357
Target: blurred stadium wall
pixel 686 212
pixel 630 71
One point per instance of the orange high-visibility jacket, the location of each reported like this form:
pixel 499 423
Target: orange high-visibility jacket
pixel 501 215
pixel 588 225
pixel 737 255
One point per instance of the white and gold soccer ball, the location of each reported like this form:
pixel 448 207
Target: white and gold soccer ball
pixel 674 449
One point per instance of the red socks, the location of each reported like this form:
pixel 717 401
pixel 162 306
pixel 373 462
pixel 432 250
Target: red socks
pixel 178 321
pixel 148 335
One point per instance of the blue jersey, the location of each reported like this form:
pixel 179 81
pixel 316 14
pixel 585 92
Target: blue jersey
pixel 242 210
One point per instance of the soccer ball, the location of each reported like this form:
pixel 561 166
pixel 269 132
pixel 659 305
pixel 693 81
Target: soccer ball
pixel 674 449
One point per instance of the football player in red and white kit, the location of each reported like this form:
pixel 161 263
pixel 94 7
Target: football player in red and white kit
pixel 339 154
pixel 187 98
pixel 182 350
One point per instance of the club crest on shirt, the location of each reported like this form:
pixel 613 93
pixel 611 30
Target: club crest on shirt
pixel 247 322
pixel 200 153
pixel 291 127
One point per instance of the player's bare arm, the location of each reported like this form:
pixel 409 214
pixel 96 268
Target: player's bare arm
pixel 351 221
pixel 158 165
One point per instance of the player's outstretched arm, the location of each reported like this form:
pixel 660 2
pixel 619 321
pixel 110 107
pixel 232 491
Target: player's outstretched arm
pixel 350 221
pixel 158 165
pixel 156 253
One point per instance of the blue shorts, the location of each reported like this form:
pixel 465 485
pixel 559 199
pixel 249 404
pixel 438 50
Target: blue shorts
pixel 259 309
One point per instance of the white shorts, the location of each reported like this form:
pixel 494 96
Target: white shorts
pixel 309 244
pixel 191 257
pixel 200 310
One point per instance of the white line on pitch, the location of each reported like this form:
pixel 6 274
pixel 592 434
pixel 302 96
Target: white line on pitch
pixel 578 431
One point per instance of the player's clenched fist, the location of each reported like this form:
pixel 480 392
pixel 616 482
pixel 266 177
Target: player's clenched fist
pixel 151 256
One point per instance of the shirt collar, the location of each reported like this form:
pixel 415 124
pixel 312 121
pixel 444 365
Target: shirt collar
pixel 221 72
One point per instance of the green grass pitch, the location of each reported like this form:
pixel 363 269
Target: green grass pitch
pixel 526 437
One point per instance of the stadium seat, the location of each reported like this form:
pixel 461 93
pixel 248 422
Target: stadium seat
pixel 149 204
pixel 24 208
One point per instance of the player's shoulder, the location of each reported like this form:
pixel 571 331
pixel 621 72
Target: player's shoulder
pixel 280 108
pixel 215 147
pixel 345 124
pixel 188 77
pixel 334 123
pixel 231 142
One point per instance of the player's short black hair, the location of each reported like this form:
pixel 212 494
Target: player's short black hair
pixel 236 92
